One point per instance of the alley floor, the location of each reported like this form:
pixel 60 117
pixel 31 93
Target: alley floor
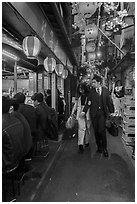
pixel 87 177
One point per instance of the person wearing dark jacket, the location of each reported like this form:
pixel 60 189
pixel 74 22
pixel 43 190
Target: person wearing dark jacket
pixel 60 109
pixel 27 145
pixel 12 137
pixel 42 112
pixel 27 111
pixel 48 98
pixel 101 105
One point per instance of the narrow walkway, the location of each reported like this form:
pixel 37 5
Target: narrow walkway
pixel 90 177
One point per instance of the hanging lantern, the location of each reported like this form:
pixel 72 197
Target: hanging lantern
pixel 90 46
pixel 49 64
pixel 91 31
pixel 31 46
pixel 87 9
pixel 59 69
pixel 91 56
pixel 65 74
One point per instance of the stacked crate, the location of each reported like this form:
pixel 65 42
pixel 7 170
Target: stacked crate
pixel 128 124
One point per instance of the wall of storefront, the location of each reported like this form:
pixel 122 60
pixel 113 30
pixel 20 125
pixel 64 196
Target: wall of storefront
pixel 9 84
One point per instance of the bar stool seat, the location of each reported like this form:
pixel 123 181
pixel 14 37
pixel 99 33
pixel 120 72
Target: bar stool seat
pixel 41 147
pixel 11 180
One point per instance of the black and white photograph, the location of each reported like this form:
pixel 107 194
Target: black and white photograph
pixel 68 101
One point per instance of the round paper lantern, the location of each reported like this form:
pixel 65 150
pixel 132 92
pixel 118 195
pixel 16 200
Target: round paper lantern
pixel 59 69
pixel 31 46
pixel 49 64
pixel 91 31
pixel 91 56
pixel 90 46
pixel 65 74
pixel 87 8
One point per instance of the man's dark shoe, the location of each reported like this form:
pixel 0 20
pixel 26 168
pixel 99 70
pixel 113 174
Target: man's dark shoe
pixel 81 148
pixel 87 145
pixel 99 150
pixel 105 152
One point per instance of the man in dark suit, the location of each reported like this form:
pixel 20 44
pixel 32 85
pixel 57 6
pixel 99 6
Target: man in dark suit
pixel 101 105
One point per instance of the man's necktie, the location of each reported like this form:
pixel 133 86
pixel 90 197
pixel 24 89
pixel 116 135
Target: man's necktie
pixel 98 91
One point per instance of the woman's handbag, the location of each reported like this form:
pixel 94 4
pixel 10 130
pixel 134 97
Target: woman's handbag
pixel 71 122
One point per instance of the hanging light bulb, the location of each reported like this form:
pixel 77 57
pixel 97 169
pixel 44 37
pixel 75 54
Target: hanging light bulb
pixel 99 54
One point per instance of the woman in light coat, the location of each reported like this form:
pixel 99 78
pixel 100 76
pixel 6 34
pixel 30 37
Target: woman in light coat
pixel 83 122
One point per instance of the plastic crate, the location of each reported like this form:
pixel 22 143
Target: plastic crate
pixel 129 110
pixel 130 129
pixel 129 119
pixel 128 97
pixel 128 101
pixel 128 137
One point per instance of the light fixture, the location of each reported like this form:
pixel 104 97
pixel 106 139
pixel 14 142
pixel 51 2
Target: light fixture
pixel 98 54
pixel 87 8
pixel 110 6
pixel 10 55
pixel 59 69
pixel 49 64
pixel 91 31
pixel 91 56
pixel 64 74
pixel 90 46
pixel 31 46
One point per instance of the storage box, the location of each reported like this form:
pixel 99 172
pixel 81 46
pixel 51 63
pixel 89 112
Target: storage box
pixel 129 101
pixel 129 119
pixel 129 129
pixel 128 137
pixel 129 110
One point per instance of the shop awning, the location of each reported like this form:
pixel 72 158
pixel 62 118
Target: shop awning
pixel 124 63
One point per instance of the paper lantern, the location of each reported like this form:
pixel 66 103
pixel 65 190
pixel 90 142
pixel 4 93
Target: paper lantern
pixel 64 74
pixel 59 69
pixel 49 64
pixel 31 46
pixel 91 56
pixel 90 46
pixel 87 8
pixel 91 31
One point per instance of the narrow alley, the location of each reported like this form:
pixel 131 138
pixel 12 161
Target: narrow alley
pixel 87 177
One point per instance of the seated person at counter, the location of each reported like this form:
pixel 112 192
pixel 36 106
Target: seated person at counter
pixel 12 137
pixel 27 111
pixel 42 111
pixel 27 145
